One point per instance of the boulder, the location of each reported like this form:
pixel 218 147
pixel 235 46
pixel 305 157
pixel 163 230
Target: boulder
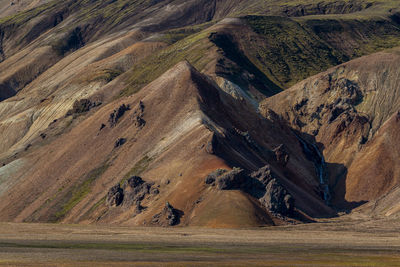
pixel 172 214
pixel 138 116
pixel 169 216
pixel 115 196
pixel 119 142
pixel 281 155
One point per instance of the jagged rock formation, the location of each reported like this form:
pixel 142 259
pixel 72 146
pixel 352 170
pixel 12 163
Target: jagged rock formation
pixel 261 184
pixel 130 196
pixel 117 114
pixel 168 217
pixel 136 190
pixel 115 196
pixel 281 155
pixel 231 180
pixel 81 106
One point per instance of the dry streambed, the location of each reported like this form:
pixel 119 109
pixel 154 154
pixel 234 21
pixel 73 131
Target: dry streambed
pixel 334 243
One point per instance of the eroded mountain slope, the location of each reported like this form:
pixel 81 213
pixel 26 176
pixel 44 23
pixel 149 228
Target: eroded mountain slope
pixel 351 111
pixel 99 122
pixel 180 109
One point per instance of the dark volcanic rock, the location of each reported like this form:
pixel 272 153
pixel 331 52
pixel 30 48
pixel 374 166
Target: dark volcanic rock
pixel 212 177
pixel 138 116
pixel 138 207
pixel 281 154
pixel 276 199
pixel 135 181
pixel 115 196
pixel 117 114
pixel 140 122
pixel 271 193
pixel 136 190
pixel 154 191
pixel 262 184
pixel 172 214
pixel 264 175
pixel 231 180
pixel 120 142
pixel 168 217
pixel 81 106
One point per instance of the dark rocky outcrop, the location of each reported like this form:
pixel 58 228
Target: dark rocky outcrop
pixel 138 116
pixel 281 155
pixel 169 216
pixel 262 184
pixel 172 214
pixel 131 194
pixel 212 177
pixel 115 196
pixel 276 199
pixel 120 142
pixel 117 114
pixel 231 180
pixel 82 106
pixel 136 189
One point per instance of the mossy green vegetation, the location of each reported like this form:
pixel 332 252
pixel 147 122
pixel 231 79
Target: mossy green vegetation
pixel 192 48
pixel 110 13
pixel 285 52
pixel 106 75
pixel 294 49
pixel 289 53
pixel 355 37
pixel 23 17
pixel 174 35
pixel 79 191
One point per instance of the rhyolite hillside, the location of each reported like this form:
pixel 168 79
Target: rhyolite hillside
pixel 204 113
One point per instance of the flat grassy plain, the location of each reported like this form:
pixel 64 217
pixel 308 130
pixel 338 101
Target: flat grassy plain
pixel 335 242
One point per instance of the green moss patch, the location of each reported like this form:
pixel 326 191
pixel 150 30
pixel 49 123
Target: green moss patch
pixel 79 192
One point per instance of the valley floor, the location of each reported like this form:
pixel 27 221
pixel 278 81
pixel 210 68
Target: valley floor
pixel 335 242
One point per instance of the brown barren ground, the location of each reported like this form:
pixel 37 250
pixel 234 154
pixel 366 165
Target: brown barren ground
pixel 338 242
